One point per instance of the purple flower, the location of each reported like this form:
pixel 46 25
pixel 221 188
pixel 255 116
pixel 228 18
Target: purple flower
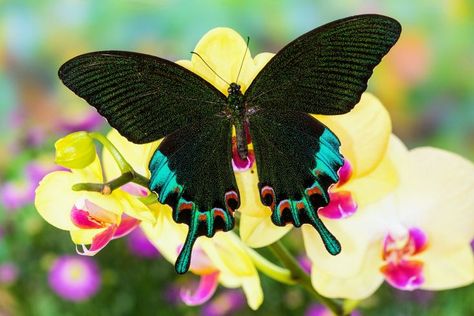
pixel 8 273
pixel 91 121
pixel 226 303
pixel 14 195
pixel 140 246
pixel 321 310
pixel 305 263
pixel 74 278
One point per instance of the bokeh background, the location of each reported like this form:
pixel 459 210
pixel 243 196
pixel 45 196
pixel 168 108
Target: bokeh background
pixel 426 82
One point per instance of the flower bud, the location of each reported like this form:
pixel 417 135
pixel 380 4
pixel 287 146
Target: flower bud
pixel 75 151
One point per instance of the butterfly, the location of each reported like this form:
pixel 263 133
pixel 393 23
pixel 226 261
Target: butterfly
pixel 147 98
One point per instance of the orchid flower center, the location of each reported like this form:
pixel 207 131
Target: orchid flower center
pixel 404 246
pixel 401 270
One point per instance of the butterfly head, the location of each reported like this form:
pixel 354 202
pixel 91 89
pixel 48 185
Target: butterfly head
pixel 234 89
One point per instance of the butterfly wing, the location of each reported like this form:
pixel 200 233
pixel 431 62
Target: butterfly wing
pixel 144 97
pixel 325 70
pixel 192 172
pixel 297 161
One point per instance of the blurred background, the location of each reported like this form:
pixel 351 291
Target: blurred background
pixel 426 82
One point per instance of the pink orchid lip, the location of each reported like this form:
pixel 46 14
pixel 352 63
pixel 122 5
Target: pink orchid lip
pixel 404 275
pixel 341 205
pixel 87 215
pixel 127 225
pixel 207 287
pixel 99 241
pixel 400 270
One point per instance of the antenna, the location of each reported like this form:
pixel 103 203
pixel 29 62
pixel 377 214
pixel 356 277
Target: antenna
pixel 210 67
pixel 242 63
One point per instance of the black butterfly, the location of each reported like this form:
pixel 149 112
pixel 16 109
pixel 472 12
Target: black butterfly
pixel 146 98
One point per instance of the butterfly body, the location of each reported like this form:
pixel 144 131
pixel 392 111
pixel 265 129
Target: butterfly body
pixel 236 111
pixel 147 98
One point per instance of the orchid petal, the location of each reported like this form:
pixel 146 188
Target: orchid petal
pixel 127 225
pixel 166 235
pixel 133 207
pixel 361 284
pixel 227 253
pixel 250 203
pixel 438 195
pixel 364 147
pixel 357 234
pixel 138 156
pixel 380 181
pixel 206 289
pixel 253 291
pixel 223 49
pixel 447 266
pixel 99 241
pixel 259 232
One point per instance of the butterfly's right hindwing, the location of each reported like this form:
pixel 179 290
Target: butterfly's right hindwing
pixel 142 96
pixel 297 161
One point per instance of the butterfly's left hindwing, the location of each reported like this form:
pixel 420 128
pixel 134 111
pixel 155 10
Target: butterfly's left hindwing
pixel 192 172
pixel 297 161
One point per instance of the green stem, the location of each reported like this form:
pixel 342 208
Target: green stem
pixel 141 180
pixel 302 278
pixel 105 188
pixel 121 162
pixel 269 269
pixel 349 306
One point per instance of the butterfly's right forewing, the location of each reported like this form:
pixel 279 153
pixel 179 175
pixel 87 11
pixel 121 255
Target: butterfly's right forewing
pixel 325 70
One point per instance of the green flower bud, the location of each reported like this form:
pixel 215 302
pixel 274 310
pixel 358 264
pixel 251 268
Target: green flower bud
pixel 75 151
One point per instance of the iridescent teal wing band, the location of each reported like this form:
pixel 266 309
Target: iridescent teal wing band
pixel 192 172
pixel 297 161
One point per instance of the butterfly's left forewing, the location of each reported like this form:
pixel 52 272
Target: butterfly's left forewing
pixel 144 97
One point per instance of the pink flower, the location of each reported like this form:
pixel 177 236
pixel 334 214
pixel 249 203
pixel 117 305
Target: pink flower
pixel 74 278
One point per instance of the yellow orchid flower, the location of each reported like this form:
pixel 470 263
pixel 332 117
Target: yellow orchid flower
pixel 92 218
pixel 364 133
pixel 418 236
pixel 220 259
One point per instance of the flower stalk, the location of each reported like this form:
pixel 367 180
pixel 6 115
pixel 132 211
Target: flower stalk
pixel 300 277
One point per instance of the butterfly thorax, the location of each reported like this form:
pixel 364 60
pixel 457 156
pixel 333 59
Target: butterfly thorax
pixel 235 111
